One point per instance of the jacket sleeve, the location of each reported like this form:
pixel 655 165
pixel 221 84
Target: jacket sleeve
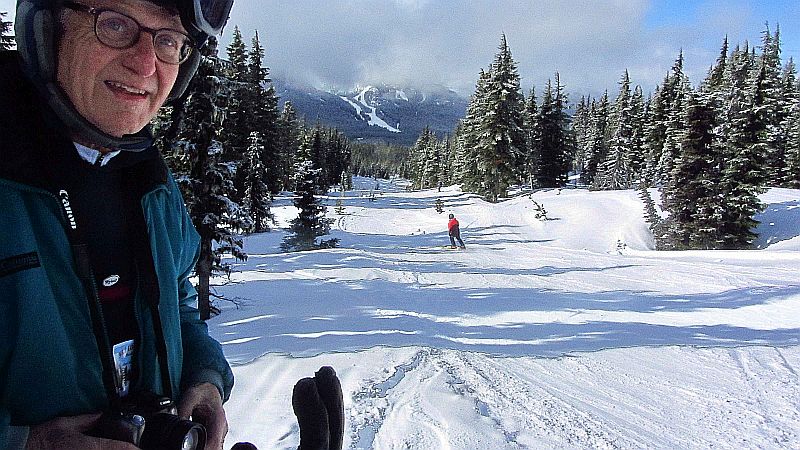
pixel 203 359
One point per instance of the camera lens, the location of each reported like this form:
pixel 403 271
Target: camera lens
pixel 170 432
pixel 191 440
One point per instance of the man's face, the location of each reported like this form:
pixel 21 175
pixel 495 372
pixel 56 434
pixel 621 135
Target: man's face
pixel 117 90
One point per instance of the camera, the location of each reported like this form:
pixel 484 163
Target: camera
pixel 150 422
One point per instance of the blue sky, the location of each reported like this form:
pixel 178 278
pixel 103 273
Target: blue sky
pixel 342 43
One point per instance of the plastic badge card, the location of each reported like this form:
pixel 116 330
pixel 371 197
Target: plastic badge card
pixel 123 360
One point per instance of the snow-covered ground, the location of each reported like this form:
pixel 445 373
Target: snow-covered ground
pixel 560 333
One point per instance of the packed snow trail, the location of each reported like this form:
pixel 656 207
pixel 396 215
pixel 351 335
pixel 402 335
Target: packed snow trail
pixel 422 398
pixel 560 333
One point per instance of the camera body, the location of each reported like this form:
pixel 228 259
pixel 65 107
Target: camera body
pixel 150 422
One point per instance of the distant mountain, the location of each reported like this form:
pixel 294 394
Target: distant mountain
pixel 378 113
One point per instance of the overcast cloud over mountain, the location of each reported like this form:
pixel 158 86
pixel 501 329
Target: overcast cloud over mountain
pixel 338 44
pixel 341 43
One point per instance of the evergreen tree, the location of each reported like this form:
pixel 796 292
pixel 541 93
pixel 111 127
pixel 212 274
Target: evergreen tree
pixel 237 124
pixel 501 140
pixel 204 177
pixel 425 160
pixel 556 142
pixel 289 140
pixel 616 171
pixel 677 89
pixel 717 75
pixel 665 128
pixel 530 164
pixel 789 124
pixel 264 111
pixel 744 174
pixel 598 139
pixel 6 38
pixel 792 178
pixel 637 154
pixel 337 157
pixel 445 161
pixel 310 223
pixel 774 109
pixel 654 221
pixel 257 197
pixel 692 193
pixel 469 170
pixel 237 57
pixel 582 125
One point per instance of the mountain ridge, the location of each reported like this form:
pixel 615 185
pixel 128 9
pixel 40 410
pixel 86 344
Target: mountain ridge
pixel 377 113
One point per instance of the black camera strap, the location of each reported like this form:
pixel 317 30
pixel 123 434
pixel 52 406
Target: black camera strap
pixel 150 290
pixel 80 253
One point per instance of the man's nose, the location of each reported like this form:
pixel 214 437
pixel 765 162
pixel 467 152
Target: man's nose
pixel 142 59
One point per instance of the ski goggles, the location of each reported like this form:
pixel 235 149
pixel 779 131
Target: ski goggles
pixel 208 16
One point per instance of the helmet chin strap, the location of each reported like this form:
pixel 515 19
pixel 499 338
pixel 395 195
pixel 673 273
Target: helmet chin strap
pixel 78 126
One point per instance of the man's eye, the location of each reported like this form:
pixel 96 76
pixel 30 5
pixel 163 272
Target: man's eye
pixel 167 41
pixel 115 25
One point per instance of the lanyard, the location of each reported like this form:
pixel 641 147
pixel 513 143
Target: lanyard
pixel 80 252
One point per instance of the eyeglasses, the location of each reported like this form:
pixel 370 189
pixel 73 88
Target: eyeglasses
pixel 116 30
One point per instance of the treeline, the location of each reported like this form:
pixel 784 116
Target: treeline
pixel 231 149
pixel 378 160
pixel 711 150
pixel 505 139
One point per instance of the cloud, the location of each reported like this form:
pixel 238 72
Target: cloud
pixel 417 42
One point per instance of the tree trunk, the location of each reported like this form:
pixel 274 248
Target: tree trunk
pixel 204 274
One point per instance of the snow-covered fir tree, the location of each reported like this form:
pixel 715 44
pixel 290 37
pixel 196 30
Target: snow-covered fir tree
pixel 468 172
pixel 745 171
pixel 237 125
pixel 665 150
pixel 289 140
pixel 426 160
pixel 204 177
pixel 692 194
pixel 335 159
pixel 789 124
pixel 582 125
pixel 495 128
pixel 774 109
pixel 598 138
pixel 257 197
pixel 310 224
pixel 530 163
pixel 264 111
pixel 445 161
pixel 556 142
pixel 616 171
pixel 637 154
pixel 6 37
pixel 792 178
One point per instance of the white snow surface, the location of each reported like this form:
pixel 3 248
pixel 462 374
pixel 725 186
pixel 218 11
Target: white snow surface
pixel 563 333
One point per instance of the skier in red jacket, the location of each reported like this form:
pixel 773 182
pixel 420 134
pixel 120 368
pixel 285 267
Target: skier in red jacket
pixel 454 232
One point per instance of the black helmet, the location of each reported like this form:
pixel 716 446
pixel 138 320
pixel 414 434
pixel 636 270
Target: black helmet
pixel 451 216
pixel 36 28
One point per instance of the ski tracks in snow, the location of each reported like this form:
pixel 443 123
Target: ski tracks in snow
pixel 507 412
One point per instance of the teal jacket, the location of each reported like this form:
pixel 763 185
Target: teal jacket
pixel 49 358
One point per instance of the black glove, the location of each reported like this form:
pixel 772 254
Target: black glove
pixel 318 405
